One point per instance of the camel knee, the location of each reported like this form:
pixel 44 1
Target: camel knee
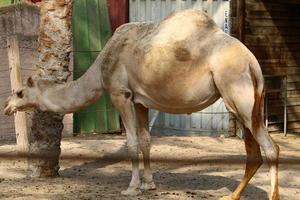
pixel 272 154
pixel 132 146
pixel 270 148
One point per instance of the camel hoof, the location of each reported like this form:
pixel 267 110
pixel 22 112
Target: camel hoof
pixel 228 198
pixel 275 197
pixel 148 186
pixel 131 192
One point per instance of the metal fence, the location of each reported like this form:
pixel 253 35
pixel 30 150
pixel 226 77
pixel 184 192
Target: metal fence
pixel 212 120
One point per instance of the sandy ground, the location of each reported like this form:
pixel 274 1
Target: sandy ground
pixel 96 167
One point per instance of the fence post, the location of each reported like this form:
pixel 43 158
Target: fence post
pixel 16 82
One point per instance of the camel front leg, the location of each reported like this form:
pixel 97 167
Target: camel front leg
pixel 122 101
pixel 145 145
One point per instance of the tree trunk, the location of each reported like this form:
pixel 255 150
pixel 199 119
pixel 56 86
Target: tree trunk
pixel 54 56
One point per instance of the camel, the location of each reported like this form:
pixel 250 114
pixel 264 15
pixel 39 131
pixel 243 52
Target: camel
pixel 179 65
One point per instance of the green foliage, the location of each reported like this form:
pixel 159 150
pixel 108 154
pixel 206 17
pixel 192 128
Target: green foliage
pixel 8 2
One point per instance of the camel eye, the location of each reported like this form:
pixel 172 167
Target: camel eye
pixel 30 82
pixel 20 94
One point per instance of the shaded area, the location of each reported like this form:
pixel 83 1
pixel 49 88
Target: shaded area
pixel 184 168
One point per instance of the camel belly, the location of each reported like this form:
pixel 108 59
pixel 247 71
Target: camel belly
pixel 178 97
pixel 148 102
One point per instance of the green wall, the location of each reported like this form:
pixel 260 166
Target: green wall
pixel 91 30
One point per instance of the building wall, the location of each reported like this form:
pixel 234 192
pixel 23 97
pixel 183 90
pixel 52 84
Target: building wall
pixel 272 32
pixel 6 123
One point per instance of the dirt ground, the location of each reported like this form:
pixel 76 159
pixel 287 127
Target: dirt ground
pixel 97 167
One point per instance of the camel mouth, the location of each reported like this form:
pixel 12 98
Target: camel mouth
pixel 8 110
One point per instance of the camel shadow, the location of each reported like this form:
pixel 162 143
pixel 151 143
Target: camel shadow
pixel 202 182
pixel 167 180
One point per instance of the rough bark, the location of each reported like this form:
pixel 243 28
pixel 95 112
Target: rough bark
pixel 54 51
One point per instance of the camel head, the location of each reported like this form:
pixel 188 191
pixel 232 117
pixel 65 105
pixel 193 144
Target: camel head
pixel 24 98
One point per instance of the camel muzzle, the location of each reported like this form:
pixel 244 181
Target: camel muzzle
pixel 8 109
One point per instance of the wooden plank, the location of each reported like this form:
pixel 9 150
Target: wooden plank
pixel 294 130
pixel 271 22
pixel 270 39
pixel 280 70
pixel 288 2
pixel 293 94
pixel 293 47
pixel 293 125
pixel 241 16
pixel 293 78
pixel 293 85
pixel 278 104
pixel 16 82
pixel 262 6
pixel 278 109
pixel 281 14
pixel 272 30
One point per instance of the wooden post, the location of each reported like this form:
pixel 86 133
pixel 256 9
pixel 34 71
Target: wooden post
pixel 16 82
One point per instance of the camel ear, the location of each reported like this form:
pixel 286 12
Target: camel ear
pixel 30 82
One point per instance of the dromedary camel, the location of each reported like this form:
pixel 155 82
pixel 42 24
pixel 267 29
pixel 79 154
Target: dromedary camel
pixel 180 65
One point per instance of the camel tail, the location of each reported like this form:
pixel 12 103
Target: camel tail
pixel 259 95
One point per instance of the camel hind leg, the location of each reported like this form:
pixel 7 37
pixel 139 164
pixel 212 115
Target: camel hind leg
pixel 254 161
pixel 240 98
pixel 271 150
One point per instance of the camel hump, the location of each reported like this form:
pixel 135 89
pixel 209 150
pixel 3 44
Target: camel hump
pixel 187 25
pixel 191 16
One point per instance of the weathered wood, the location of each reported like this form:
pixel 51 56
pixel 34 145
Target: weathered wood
pixel 278 109
pixel 271 22
pixel 16 83
pixel 270 39
pixel 272 30
pixel 263 6
pixel 292 2
pixel 293 93
pixel 272 33
pixel 274 15
pixel 294 125
pixel 241 14
pixel 293 85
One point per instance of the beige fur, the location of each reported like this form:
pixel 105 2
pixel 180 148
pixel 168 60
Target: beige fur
pixel 180 65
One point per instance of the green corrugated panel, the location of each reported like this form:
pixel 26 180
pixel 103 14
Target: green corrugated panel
pixel 91 30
